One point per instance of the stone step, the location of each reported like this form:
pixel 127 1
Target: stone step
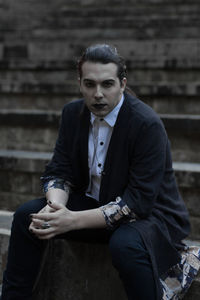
pixel 86 265
pixel 71 88
pixel 144 82
pixel 5 226
pixel 55 102
pixel 175 15
pixel 17 126
pixel 112 9
pixel 20 173
pixel 58 54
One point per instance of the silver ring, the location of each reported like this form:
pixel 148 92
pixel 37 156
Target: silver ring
pixel 46 225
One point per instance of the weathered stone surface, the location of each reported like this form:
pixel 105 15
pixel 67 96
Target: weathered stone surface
pixel 23 161
pixel 195 227
pixel 55 102
pixel 35 102
pixel 174 105
pixel 149 54
pixel 4 239
pixel 37 131
pixel 28 139
pixel 20 177
pixel 193 293
pixel 86 269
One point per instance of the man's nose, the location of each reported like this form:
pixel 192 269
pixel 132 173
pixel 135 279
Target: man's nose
pixel 98 93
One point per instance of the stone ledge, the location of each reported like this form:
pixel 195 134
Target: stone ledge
pixel 186 123
pixel 185 105
pixel 43 118
pixel 30 161
pixel 42 126
pixel 29 118
pixel 23 161
pixel 169 62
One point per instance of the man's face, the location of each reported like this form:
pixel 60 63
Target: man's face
pixel 101 87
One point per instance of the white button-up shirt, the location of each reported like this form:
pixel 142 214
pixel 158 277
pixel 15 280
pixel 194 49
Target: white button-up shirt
pixel 99 138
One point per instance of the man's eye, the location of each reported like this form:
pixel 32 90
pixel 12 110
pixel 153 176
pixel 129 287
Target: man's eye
pixel 89 84
pixel 107 84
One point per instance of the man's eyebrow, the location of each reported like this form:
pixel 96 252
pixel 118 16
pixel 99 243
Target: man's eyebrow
pixel 88 79
pixel 109 80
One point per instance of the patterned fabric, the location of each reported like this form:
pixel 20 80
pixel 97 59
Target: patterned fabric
pixel 179 278
pixel 55 183
pixel 114 212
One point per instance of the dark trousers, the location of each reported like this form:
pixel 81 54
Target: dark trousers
pixel 129 255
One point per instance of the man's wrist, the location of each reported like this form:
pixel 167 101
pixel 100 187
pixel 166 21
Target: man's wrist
pixel 57 195
pixel 92 218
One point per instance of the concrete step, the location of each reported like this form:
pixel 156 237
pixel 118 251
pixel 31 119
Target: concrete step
pixel 179 16
pixel 20 173
pixel 188 105
pixel 161 104
pixel 29 101
pixel 61 55
pixel 145 82
pixel 17 126
pixel 5 226
pixel 188 179
pixel 71 88
pixel 83 264
pixel 29 129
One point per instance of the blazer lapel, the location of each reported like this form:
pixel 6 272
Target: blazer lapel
pixel 83 141
pixel 120 133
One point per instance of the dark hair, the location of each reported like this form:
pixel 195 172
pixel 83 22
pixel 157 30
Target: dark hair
pixel 104 54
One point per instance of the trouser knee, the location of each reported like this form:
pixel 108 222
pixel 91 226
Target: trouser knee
pixel 127 250
pixel 21 218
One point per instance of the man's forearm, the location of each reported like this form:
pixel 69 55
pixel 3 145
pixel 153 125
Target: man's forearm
pixel 57 195
pixel 92 218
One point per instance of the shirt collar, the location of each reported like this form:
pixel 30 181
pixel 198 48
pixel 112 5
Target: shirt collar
pixel 112 116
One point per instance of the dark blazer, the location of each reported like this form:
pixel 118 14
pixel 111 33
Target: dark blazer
pixel 138 167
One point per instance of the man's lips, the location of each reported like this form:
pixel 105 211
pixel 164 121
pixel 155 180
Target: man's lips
pixel 99 106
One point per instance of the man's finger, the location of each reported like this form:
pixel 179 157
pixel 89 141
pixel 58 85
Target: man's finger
pixel 41 232
pixel 42 216
pixel 37 223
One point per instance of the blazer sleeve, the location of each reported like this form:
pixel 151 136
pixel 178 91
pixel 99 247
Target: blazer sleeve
pixel 60 165
pixel 147 168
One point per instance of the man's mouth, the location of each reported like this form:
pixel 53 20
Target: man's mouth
pixel 99 106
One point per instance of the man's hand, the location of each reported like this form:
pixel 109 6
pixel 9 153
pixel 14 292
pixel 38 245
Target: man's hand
pixel 61 220
pixel 57 216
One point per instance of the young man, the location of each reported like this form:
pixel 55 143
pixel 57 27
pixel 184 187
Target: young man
pixel 111 169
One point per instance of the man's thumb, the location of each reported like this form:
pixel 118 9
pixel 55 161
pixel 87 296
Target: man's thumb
pixel 55 205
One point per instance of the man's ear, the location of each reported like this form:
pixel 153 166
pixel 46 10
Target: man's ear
pixel 79 81
pixel 123 84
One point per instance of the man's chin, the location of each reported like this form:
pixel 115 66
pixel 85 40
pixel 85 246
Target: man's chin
pixel 99 112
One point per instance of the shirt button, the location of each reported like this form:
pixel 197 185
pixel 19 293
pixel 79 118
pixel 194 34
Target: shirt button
pixel 101 143
pixel 101 120
pixel 99 165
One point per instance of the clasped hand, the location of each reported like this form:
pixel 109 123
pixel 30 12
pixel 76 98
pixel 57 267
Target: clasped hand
pixel 58 217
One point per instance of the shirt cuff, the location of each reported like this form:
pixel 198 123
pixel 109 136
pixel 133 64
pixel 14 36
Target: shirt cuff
pixel 117 212
pixel 55 183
